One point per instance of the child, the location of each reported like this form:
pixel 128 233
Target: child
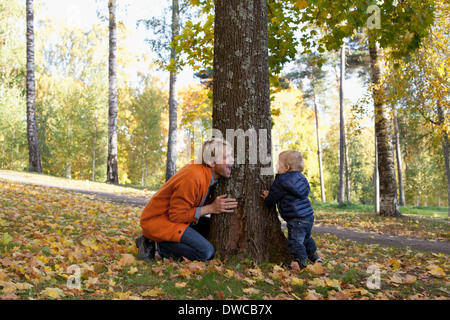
pixel 290 191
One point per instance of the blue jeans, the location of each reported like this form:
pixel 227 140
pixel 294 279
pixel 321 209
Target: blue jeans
pixel 300 243
pixel 193 244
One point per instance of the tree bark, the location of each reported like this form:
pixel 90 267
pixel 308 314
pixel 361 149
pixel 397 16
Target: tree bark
pixel 94 148
pixel 171 167
pixel 341 196
pixel 241 100
pixel 445 149
pixel 112 165
pixel 383 131
pixel 319 153
pixel 376 182
pixel 34 153
pixel 401 187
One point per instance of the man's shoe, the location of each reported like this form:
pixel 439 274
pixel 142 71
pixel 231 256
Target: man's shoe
pixel 146 248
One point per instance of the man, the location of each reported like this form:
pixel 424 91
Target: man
pixel 174 221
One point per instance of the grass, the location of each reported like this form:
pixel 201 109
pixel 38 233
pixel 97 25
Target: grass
pixel 45 231
pixel 421 211
pixel 126 190
pixel 416 223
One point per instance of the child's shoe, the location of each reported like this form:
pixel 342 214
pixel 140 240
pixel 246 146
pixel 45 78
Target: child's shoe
pixel 315 258
pixel 301 264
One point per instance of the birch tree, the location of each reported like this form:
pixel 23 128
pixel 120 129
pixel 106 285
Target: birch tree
pixel 34 153
pixel 112 175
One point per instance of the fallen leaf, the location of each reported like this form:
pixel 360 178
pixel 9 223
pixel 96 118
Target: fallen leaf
pixel 152 293
pixel 436 271
pixel 396 279
pixel 127 259
pixel 342 295
pixel 313 295
pixel 8 296
pixel 316 268
pixel 133 270
pixel 295 267
pixel 5 239
pixel 180 284
pixel 53 293
pixel 297 281
pixel 250 290
pixel 249 281
pixel 409 279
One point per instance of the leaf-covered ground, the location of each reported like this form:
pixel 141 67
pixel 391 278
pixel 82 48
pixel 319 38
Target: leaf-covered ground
pixel 56 244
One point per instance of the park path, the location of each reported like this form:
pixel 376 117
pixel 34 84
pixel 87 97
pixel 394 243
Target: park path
pixel 343 233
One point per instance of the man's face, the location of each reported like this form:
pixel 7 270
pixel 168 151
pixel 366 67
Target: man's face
pixel 223 168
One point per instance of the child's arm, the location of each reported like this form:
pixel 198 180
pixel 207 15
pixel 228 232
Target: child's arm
pixel 273 196
pixel 264 195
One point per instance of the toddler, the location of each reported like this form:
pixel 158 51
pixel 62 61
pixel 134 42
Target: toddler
pixel 289 192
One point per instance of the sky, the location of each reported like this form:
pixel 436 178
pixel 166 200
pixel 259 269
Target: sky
pixel 82 13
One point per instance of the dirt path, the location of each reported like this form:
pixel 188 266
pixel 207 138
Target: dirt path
pixel 363 237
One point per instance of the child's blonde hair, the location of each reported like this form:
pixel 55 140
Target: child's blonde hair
pixel 293 159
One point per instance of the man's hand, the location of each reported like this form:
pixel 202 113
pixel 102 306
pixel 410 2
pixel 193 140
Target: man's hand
pixel 265 193
pixel 220 205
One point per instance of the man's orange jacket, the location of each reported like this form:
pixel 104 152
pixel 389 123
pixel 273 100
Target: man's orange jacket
pixel 170 211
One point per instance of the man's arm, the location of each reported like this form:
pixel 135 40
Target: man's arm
pixel 221 204
pixel 182 202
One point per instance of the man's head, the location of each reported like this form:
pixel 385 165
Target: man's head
pixel 217 154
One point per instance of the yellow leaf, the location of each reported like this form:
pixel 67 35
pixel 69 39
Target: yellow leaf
pixel 297 281
pixel 396 279
pixel 180 284
pixel 317 283
pixel 301 4
pixel 251 290
pixel 152 293
pixel 229 273
pixel 249 281
pixel 436 271
pixel 53 293
pixel 133 270
pixel 335 283
pixel 317 268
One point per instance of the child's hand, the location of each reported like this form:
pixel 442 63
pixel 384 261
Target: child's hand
pixel 265 193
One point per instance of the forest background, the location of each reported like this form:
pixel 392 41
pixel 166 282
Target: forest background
pixel 72 106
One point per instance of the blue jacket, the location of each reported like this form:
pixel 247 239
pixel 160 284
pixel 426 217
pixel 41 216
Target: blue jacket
pixel 290 192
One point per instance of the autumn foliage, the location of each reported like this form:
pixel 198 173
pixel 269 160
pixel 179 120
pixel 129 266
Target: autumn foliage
pixel 48 234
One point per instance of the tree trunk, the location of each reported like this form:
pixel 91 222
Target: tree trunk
pixel 68 150
pixel 383 132
pixel 241 100
pixel 376 182
pixel 401 187
pixel 94 149
pixel 445 150
pixel 34 153
pixel 171 163
pixel 319 153
pixel 341 195
pixel 347 175
pixel 112 167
